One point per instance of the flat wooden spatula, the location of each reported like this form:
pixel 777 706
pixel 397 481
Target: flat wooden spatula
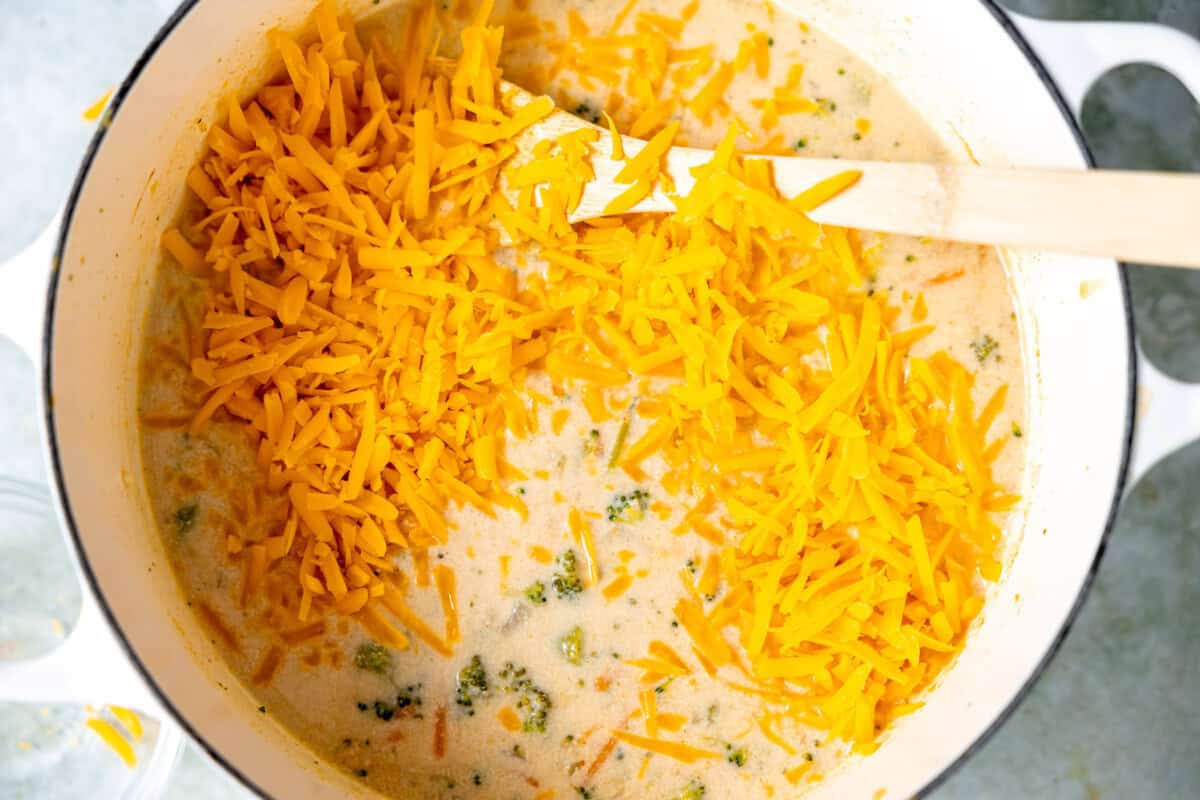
pixel 1146 217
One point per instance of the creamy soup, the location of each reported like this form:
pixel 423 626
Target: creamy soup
pixel 558 608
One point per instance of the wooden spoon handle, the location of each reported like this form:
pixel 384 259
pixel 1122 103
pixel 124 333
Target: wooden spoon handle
pixel 1132 216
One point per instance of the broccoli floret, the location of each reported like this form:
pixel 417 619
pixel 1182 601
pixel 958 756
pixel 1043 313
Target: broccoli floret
pixel 983 347
pixel 472 683
pixel 536 593
pixel 586 111
pixel 693 791
pixel 593 445
pixel 408 701
pixel 572 645
pixel 736 757
pixel 384 711
pixel 567 582
pixel 185 517
pixel 629 507
pixel 531 702
pixel 373 657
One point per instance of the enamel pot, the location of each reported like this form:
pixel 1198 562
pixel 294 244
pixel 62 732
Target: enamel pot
pixel 1008 86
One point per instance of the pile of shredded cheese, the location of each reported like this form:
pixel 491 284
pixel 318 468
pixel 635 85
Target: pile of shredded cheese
pixel 646 77
pixel 360 324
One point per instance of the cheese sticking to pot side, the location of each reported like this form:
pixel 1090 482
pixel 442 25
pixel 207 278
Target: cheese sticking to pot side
pixel 384 356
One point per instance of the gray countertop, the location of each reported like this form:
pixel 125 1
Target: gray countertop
pixel 1117 714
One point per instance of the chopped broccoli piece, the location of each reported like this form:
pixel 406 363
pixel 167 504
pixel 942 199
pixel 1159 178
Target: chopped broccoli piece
pixel 1017 432
pixel 532 703
pixel 983 347
pixel 408 700
pixel 693 791
pixel 373 657
pixel 629 507
pixel 737 757
pixel 536 593
pixel 384 711
pixel 185 517
pixel 567 582
pixel 586 111
pixel 619 445
pixel 572 646
pixel 472 683
pixel 593 445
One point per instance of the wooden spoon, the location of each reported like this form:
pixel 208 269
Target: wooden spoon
pixel 1149 217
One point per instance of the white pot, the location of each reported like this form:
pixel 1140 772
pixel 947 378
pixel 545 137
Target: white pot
pixel 964 64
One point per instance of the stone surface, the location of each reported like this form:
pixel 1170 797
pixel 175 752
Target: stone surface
pixel 1117 713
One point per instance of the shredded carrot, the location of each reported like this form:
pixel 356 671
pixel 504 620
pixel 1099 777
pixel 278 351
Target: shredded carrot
pixel 602 756
pixel 267 666
pixel 509 719
pixel 946 277
pixel 439 733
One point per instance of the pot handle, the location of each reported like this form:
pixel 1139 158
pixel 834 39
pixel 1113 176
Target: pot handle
pixel 1167 416
pixel 26 280
pixel 90 667
pixel 1077 54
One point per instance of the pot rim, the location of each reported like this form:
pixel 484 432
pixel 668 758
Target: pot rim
pixel 75 538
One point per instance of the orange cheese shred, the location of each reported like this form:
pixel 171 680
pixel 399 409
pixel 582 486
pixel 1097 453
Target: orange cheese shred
pixel 676 750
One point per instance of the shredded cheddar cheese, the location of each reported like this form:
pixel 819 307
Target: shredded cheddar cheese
pixel 120 740
pixel 361 328
pixel 93 112
pixel 676 750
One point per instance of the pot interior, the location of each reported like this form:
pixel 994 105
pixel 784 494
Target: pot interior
pixel 954 62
